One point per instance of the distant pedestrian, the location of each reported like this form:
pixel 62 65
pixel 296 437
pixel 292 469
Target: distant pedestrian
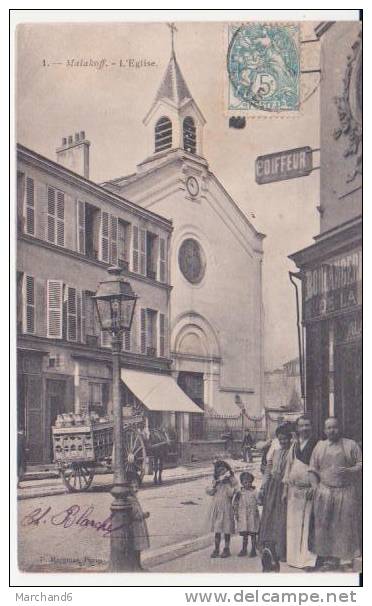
pixel 221 516
pixel 273 527
pixel 335 468
pixel 246 513
pixel 21 454
pixel 139 529
pixel 247 446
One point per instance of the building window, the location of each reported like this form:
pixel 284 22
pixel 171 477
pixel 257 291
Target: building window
pixel 151 255
pixel 163 134
pixel 98 398
pixel 148 331
pixel 123 244
pixel 56 217
pixel 20 201
pixel 126 345
pixel 189 135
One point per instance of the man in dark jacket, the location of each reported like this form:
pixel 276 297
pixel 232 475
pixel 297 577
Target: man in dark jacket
pixel 247 446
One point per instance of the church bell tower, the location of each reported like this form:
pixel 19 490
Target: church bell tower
pixel 174 120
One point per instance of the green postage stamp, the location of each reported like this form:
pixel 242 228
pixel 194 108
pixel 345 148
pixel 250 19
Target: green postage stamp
pixel 263 65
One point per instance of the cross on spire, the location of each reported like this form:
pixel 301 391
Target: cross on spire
pixel 173 29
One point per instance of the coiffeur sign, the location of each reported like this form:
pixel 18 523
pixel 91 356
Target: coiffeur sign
pixel 284 165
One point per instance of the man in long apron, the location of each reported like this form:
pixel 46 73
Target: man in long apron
pixel 298 496
pixel 335 467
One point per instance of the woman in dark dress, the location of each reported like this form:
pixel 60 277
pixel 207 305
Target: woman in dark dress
pixel 273 528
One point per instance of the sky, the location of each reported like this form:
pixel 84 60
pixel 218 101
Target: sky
pixel 109 104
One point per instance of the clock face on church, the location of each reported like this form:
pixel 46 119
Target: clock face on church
pixel 191 260
pixel 192 186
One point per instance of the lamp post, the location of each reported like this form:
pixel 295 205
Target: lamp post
pixel 115 304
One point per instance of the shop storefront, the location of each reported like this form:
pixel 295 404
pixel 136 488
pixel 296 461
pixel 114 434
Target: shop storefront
pixel 331 274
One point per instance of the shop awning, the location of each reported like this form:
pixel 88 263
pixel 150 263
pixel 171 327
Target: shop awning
pixel 158 392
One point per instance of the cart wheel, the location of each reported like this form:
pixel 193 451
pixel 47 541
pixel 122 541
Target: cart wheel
pixel 134 453
pixel 77 477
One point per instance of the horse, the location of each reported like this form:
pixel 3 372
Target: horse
pixel 158 448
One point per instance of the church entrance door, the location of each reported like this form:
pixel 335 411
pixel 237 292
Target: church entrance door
pixel 192 383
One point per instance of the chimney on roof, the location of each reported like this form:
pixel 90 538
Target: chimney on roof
pixel 74 153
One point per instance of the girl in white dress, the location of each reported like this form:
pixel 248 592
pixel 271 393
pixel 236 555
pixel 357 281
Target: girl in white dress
pixel 246 513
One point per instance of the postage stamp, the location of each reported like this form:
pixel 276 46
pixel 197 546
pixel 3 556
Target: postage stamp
pixel 263 65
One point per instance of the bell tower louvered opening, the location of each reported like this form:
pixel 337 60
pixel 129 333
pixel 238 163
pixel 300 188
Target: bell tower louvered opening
pixel 189 135
pixel 163 134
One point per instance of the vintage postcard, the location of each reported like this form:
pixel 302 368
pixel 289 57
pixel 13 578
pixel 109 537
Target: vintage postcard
pixel 189 297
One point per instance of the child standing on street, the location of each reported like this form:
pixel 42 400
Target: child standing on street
pixel 246 513
pixel 221 516
pixel 141 539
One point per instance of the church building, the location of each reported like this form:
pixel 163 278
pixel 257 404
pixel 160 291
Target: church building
pixel 216 310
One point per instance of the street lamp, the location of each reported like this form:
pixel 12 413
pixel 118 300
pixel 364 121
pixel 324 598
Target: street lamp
pixel 115 304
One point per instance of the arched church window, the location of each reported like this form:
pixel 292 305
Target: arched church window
pixel 189 135
pixel 163 134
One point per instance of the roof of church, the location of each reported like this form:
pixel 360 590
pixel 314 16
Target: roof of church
pixel 173 86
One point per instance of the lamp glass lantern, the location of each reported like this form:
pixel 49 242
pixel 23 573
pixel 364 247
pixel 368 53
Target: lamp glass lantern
pixel 115 303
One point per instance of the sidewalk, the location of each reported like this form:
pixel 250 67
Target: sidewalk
pixel 40 486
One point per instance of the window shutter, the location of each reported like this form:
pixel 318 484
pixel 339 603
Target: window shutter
pixel 114 240
pixel 126 340
pixel 162 335
pixel 60 218
pixel 105 237
pixel 162 261
pixel 30 207
pixel 54 309
pixel 21 179
pixel 51 215
pixel 81 226
pixel 29 304
pixel 143 252
pixel 143 330
pixel 135 264
pixel 72 306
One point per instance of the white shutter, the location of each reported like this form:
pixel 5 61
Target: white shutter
pixel 162 335
pixel 105 249
pixel 162 260
pixel 143 252
pixel 143 315
pixel 56 217
pixel 72 314
pixel 30 207
pixel 80 221
pixel 114 240
pixel 54 308
pixel 135 249
pixel 28 304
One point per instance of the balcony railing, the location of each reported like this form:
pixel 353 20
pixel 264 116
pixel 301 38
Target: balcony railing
pixel 151 351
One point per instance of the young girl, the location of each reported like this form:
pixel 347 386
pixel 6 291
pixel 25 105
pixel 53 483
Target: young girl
pixel 246 513
pixel 139 527
pixel 221 517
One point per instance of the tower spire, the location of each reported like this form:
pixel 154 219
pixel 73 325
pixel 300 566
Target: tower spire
pixel 173 30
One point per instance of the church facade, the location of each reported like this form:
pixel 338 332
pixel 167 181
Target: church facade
pixel 216 310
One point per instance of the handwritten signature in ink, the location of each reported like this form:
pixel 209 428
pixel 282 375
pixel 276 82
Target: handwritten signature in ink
pixel 71 517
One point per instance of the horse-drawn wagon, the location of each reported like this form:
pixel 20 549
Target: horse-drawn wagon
pixel 82 444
